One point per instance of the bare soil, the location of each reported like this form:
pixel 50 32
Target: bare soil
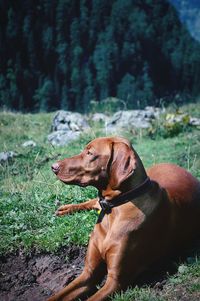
pixel 36 276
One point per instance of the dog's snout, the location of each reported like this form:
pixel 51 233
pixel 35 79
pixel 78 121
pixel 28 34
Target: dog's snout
pixel 55 168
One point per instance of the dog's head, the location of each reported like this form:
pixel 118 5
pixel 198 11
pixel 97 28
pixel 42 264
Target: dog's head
pixel 104 161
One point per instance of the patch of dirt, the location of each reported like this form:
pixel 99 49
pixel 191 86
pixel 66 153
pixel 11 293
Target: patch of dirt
pixel 37 275
pixel 180 292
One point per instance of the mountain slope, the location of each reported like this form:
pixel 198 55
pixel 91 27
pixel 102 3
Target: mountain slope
pixel 62 54
pixel 189 11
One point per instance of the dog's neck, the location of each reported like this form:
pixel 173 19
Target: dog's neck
pixel 136 179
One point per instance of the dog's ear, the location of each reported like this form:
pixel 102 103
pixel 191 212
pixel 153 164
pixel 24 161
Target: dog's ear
pixel 122 165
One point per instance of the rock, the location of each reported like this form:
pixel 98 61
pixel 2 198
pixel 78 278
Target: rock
pixel 66 127
pixel 153 112
pixel 29 143
pixel 68 121
pixel 60 138
pixel 6 156
pixel 133 118
pixel 194 121
pixel 99 117
pixel 182 118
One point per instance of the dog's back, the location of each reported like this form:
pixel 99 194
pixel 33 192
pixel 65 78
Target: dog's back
pixel 181 186
pixel 184 195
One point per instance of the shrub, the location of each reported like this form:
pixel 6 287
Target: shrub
pixel 170 125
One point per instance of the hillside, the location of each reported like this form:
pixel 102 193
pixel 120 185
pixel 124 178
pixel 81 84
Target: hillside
pixel 63 54
pixel 40 252
pixel 189 12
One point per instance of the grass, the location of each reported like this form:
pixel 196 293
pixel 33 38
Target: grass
pixel 29 191
pixel 184 285
pixel 138 294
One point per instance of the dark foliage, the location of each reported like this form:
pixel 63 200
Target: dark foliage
pixel 62 54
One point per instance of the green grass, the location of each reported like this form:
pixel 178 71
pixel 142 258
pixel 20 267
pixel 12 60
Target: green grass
pixel 138 294
pixel 28 189
pixel 184 284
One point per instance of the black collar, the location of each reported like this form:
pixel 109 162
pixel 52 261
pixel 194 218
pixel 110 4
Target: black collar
pixel 106 206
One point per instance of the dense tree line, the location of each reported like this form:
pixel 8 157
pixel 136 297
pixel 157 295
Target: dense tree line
pixel 64 53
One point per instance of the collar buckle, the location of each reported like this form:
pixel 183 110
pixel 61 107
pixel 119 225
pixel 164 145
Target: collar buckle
pixel 105 205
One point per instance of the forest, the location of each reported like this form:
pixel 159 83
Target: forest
pixel 63 54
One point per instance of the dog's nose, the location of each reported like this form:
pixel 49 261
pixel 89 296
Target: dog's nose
pixel 55 168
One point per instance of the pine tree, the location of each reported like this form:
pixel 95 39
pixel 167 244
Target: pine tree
pixel 127 89
pixel 44 95
pixel 76 54
pixel 64 97
pixel 93 50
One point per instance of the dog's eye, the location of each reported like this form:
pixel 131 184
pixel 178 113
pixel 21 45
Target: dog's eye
pixel 89 153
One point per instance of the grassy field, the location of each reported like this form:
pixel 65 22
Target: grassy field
pixel 29 192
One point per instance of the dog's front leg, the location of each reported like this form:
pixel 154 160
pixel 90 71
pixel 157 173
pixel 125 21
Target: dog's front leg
pixel 70 208
pixel 111 286
pixel 84 285
pixel 116 278
pixel 81 286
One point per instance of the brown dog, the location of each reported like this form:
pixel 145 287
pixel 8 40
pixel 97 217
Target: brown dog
pixel 141 219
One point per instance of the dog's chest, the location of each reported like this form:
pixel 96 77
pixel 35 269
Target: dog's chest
pixel 116 233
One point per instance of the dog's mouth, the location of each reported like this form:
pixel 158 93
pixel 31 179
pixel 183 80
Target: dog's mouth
pixel 78 178
pixel 72 181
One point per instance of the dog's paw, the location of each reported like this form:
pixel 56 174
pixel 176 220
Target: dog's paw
pixel 65 209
